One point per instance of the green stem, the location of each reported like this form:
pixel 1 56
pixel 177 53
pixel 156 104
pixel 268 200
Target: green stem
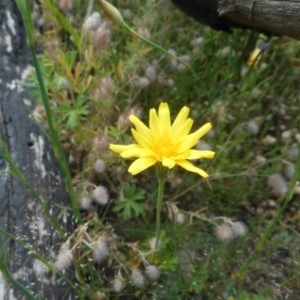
pixel 161 184
pixel 270 229
pixel 25 10
pixel 160 48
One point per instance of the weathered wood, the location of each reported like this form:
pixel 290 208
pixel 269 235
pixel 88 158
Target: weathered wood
pixel 275 17
pixel 205 12
pixel 20 214
pixel 279 17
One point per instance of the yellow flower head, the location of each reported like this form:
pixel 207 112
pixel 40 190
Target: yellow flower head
pixel 163 142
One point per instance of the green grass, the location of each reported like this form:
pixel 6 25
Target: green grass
pixel 86 113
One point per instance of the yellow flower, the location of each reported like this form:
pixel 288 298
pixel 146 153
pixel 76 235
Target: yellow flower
pixel 163 142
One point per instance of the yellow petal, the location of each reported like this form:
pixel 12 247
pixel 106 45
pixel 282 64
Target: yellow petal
pixel 196 154
pixel 163 142
pixel 135 151
pixel 118 148
pixel 164 118
pixel 154 123
pixel 167 162
pixel 203 130
pixel 141 164
pixel 180 119
pixel 180 156
pixel 192 139
pixel 181 132
pixel 140 127
pixel 190 167
pixel 142 140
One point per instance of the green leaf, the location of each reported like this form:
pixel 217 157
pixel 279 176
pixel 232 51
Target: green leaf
pixel 129 206
pixel 73 115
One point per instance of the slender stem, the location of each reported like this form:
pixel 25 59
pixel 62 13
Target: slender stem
pixel 160 48
pixel 25 10
pixel 161 184
pixel 269 230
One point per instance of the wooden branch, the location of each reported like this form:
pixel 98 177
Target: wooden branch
pixel 279 17
pixel 269 16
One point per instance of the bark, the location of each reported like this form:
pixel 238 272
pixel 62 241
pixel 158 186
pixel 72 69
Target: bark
pixel 20 214
pixel 274 17
pixel 279 17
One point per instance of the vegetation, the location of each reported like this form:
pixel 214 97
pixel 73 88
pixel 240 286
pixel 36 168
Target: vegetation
pixel 233 235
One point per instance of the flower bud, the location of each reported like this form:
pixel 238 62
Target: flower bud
pixel 111 12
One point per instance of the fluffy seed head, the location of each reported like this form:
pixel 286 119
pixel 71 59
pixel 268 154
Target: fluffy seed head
pixel 239 228
pixel 64 258
pixel 142 82
pixel 137 278
pixel 86 203
pixel 104 89
pixel 180 218
pixel 253 127
pixel 100 195
pixel 100 250
pixel 152 272
pixel 269 140
pixel 150 73
pixel 118 283
pixel 293 154
pixel 92 22
pixel 277 184
pixel 289 170
pixel 102 35
pixel 224 232
pixel 99 166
